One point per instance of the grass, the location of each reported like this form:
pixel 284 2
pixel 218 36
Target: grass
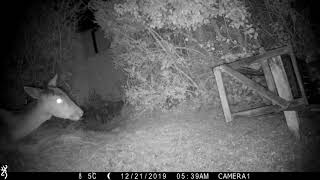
pixel 176 141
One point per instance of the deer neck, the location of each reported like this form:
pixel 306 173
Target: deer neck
pixel 30 119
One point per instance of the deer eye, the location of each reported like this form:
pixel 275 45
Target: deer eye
pixel 59 100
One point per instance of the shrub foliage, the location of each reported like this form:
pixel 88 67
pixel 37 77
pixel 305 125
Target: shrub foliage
pixel 167 47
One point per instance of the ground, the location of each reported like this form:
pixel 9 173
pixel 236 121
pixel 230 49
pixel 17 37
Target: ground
pixel 175 141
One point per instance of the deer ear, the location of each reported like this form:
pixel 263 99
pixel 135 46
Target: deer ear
pixel 53 81
pixel 33 92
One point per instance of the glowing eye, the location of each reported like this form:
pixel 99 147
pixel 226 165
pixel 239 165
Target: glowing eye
pixel 59 100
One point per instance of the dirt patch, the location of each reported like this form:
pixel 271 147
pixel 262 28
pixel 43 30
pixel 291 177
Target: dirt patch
pixel 169 142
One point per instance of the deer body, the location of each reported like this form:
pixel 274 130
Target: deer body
pixel 19 124
pixel 51 101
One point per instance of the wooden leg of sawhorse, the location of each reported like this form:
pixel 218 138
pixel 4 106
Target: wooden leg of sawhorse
pixel 292 119
pixel 222 94
pixel 284 91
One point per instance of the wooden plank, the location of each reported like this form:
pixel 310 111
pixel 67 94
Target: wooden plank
pixel 268 75
pixel 249 60
pixel 314 107
pixel 258 88
pixel 284 91
pixel 292 119
pixel 257 111
pixel 288 65
pixel 248 71
pixel 298 75
pixel 297 104
pixel 222 94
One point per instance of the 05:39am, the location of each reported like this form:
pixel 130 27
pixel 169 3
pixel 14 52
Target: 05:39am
pixel 192 176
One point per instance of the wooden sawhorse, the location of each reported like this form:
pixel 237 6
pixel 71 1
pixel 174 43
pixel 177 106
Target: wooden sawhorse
pixel 278 92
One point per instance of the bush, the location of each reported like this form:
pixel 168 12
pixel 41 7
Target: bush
pixel 167 48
